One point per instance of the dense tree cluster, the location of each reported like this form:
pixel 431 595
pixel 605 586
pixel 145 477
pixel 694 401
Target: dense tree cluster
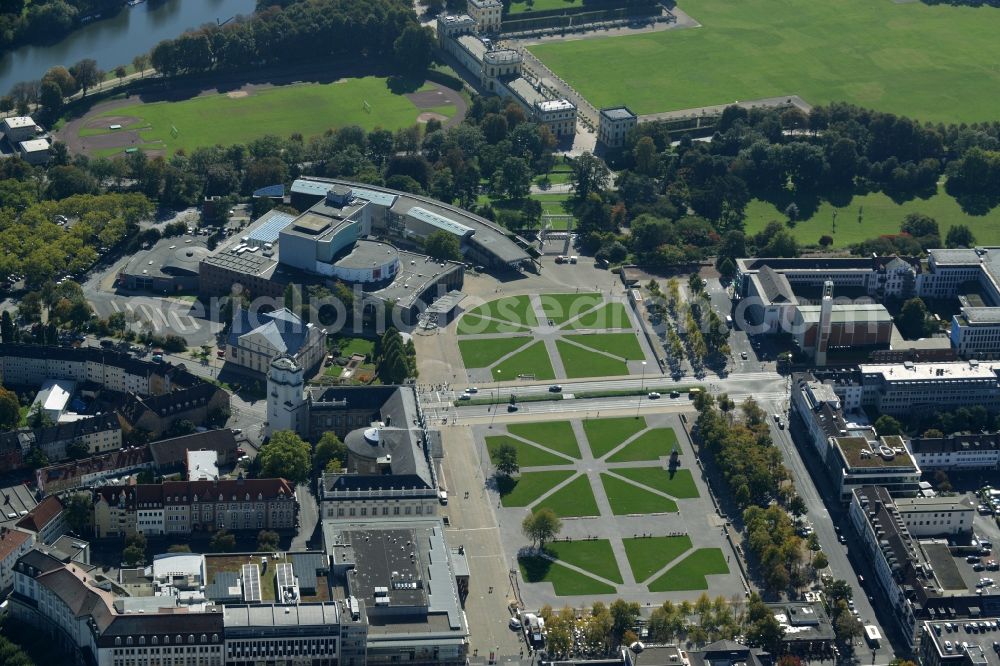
pixel 286 456
pixel 743 451
pixel 22 21
pixel 396 360
pixel 297 32
pixel 772 540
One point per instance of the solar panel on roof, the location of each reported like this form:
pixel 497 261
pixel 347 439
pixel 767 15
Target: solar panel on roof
pixel 270 191
pixel 251 583
pixel 269 231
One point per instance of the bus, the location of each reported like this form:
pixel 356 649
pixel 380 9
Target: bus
pixel 693 393
pixel 872 636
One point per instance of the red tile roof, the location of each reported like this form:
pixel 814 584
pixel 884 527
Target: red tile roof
pixel 11 540
pixel 41 515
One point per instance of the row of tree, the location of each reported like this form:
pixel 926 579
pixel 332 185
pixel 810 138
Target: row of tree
pixel 22 21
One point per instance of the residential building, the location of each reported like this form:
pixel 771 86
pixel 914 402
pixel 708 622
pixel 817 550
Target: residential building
pixel 183 507
pixel 257 338
pixel 407 594
pixel 73 548
pixel 82 617
pixel 487 15
pixel 170 455
pixel 807 628
pixel 959 451
pixel 937 516
pixel 854 455
pixel 918 578
pixel 157 413
pixel 36 152
pixel 306 634
pixel 614 124
pixel 91 471
pixel 47 521
pixel 99 434
pixel 13 544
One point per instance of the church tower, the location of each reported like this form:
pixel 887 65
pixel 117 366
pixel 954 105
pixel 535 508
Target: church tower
pixel 287 408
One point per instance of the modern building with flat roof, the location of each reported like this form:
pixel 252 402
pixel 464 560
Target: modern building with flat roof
pixel 958 451
pixel 614 125
pixel 170 266
pixel 854 455
pixel 918 578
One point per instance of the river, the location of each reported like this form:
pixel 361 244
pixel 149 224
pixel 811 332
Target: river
pixel 116 40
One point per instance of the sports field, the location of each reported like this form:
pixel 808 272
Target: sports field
pixel 880 215
pixel 250 113
pixel 934 63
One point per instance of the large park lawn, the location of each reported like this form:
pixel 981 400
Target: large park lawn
pixel 934 63
pixel 307 108
pixel 879 215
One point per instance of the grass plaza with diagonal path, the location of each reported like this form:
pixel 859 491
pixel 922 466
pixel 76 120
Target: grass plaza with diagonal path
pixel 575 335
pixel 636 522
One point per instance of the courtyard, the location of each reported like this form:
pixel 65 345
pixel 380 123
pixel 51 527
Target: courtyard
pixel 636 522
pixel 550 336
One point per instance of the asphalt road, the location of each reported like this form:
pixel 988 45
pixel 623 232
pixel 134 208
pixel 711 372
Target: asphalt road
pixel 825 511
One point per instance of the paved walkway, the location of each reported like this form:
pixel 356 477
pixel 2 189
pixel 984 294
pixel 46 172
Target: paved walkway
pixel 717 109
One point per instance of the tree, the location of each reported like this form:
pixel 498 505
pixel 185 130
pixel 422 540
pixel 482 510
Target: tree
pixel 86 73
pixel 36 458
pixel 77 450
pixel 919 225
pixel 8 333
pixel 120 72
pixel 62 78
pixel 505 459
pixel 179 548
pixel 886 425
pixel 763 629
pixel 414 49
pixel 912 319
pixel 10 409
pixel 845 625
pixel 222 541
pixel 820 561
pixel 825 240
pixel 287 456
pixel 590 174
pixel 329 450
pixel 442 245
pixel 132 555
pixel 140 63
pixel 942 482
pixel 960 235
pixel 50 97
pixel 541 526
pixel 78 509
pixel 268 541
pixel 624 615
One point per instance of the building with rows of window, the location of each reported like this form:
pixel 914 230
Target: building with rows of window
pixel 183 507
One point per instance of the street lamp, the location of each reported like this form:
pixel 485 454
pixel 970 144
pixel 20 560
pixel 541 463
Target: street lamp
pixel 496 403
pixel 642 389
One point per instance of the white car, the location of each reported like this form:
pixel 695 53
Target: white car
pixel 653 395
pixel 465 396
pixel 472 389
pixel 514 623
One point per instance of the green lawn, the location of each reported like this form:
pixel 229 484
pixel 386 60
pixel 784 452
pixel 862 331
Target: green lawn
pixel 624 345
pixel 580 362
pixel 560 175
pixel 527 455
pixel 647 556
pixel 350 346
pixel 626 498
pixel 529 486
pixel 574 499
pixel 515 309
pixel 565 582
pixel 594 556
pixel 612 315
pixel 333 371
pixel 523 7
pixel 650 445
pixel 556 435
pixel 605 434
pixel 879 215
pixel 935 63
pixel 533 360
pixel 680 486
pixel 562 307
pixel 484 353
pixel 307 108
pixel 476 325
pixel 689 573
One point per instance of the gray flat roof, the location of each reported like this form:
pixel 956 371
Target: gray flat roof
pixel 843 313
pixel 954 256
pixel 523 89
pixel 618 113
pixel 366 254
pixel 473 45
pixel 981 315
pixel 169 257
